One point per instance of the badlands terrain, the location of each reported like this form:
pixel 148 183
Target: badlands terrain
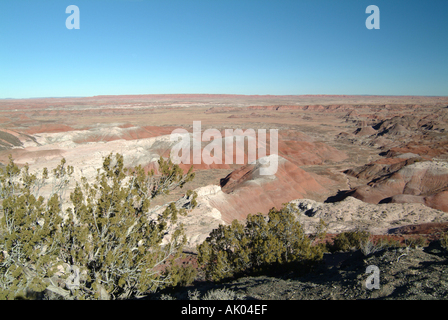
pixel 374 163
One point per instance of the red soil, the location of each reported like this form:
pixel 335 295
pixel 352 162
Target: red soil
pixel 48 128
pixel 249 193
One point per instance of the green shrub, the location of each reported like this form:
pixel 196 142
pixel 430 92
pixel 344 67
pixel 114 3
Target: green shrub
pixel 276 243
pixel 361 240
pixel 192 196
pixel 387 242
pixel 350 240
pixel 444 241
pixel 104 246
pixel 418 242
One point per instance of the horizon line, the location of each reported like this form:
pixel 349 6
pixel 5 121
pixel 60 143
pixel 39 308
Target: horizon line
pixel 224 94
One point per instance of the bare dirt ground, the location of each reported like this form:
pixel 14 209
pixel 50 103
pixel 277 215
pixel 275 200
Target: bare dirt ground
pixel 404 274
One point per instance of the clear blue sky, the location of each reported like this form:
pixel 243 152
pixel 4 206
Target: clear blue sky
pixel 223 46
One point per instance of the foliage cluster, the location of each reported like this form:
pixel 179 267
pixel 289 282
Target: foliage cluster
pixel 102 244
pixel 350 240
pixel 444 241
pixel 418 242
pixel 360 240
pixel 276 243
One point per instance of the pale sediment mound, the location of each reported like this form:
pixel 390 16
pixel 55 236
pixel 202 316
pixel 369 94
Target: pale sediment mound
pixel 352 214
pixel 97 134
pixel 47 150
pixel 125 132
pixel 200 221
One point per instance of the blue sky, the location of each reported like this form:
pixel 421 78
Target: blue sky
pixel 224 47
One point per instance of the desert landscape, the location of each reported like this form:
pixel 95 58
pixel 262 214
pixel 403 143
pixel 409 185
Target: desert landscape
pixel 372 163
